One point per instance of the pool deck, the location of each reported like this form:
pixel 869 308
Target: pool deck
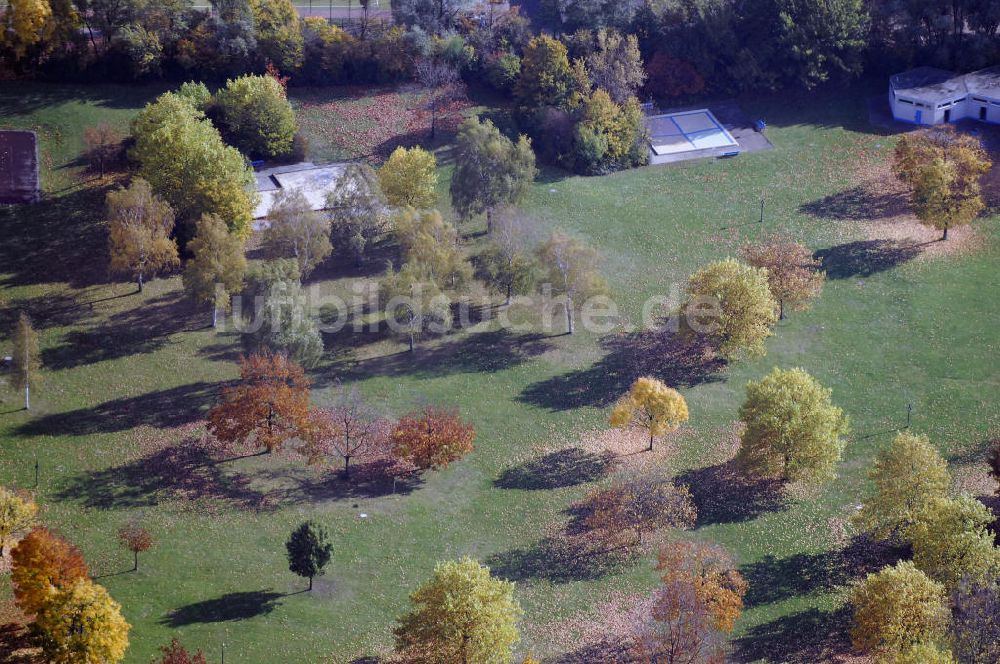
pixel 736 122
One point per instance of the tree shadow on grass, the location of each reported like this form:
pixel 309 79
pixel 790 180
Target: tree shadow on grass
pixel 144 329
pixel 369 479
pixel 559 560
pixel 803 638
pixel 680 360
pixel 186 471
pixel 724 494
pixel 863 258
pixel 56 240
pixel 609 651
pixel 229 607
pixel 161 409
pixel 555 470
pixel 46 311
pixel 858 202
pixel 773 580
pixel 17 646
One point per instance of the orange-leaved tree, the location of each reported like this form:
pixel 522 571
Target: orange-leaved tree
pixel 41 564
pixel 349 428
pixel 267 407
pixel 432 438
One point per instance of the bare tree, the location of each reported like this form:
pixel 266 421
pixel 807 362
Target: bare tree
pixel 443 84
pixel 348 428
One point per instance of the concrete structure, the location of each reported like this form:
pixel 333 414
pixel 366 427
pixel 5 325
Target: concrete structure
pixel 930 96
pixel 19 179
pixel 315 182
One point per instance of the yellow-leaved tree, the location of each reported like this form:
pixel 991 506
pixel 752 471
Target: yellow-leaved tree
pixel 908 476
pixel 732 303
pixel 462 615
pixel 25 23
pixel 216 270
pixel 952 542
pixel 409 178
pixel 651 404
pixel 792 429
pixel 17 515
pixel 26 361
pixel 83 625
pixel 896 609
pixel 140 224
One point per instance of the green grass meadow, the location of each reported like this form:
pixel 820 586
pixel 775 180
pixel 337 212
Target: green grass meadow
pixel 128 378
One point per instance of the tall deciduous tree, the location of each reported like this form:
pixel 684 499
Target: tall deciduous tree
pixel 943 168
pixel 26 24
pixel 357 209
pixel 83 625
pixel 18 512
pixel 431 242
pixel 409 178
pixel 268 407
pixel 183 157
pixel 616 65
pixel 908 477
pixel 952 542
pixel 546 76
pixel 491 171
pixel 897 608
pixel 432 438
pixel 348 428
pixel 508 263
pixel 217 267
pixel 413 301
pixel 103 144
pixel 26 361
pixel 651 404
pixel 442 84
pixel 140 224
pixel 571 271
pixel 792 429
pixel 295 230
pixel 287 325
pixel 793 274
pixel 462 615
pixel 256 117
pixel 43 564
pixel 309 550
pixel 734 305
pixel 278 33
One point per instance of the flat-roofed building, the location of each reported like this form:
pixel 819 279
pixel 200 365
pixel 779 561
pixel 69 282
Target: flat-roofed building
pixel 19 181
pixel 930 96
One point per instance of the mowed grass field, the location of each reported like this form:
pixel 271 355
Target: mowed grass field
pixel 129 377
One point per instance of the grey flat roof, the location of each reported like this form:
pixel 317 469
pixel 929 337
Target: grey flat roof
pixel 929 83
pixel 985 82
pixel 19 179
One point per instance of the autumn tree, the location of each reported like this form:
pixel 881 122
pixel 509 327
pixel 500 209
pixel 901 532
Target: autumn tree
pixel 357 209
pixel 943 168
pixel 103 145
pixel 651 404
pixel 896 609
pixel 994 462
pixel 697 606
pixel 279 35
pixel 140 224
pixel 508 262
pixel 546 76
pixel 309 550
pixel 18 512
pixel 615 65
pixel 908 476
pixel 428 240
pixel 642 502
pixel 462 614
pixel 295 230
pixel 218 264
pixel 733 304
pixel 43 564
pixel 570 269
pixel 793 274
pixel 976 622
pixel 442 83
pixel 414 303
pixel 267 407
pixel 952 542
pixel 182 155
pixel 491 171
pixel 83 625
pixel 135 538
pixel 256 117
pixel 26 363
pixel 26 24
pixel 408 178
pixel 792 429
pixel 432 438
pixel 284 321
pixel 348 428
pixel 175 653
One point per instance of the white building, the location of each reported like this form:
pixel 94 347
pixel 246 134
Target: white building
pixel 930 96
